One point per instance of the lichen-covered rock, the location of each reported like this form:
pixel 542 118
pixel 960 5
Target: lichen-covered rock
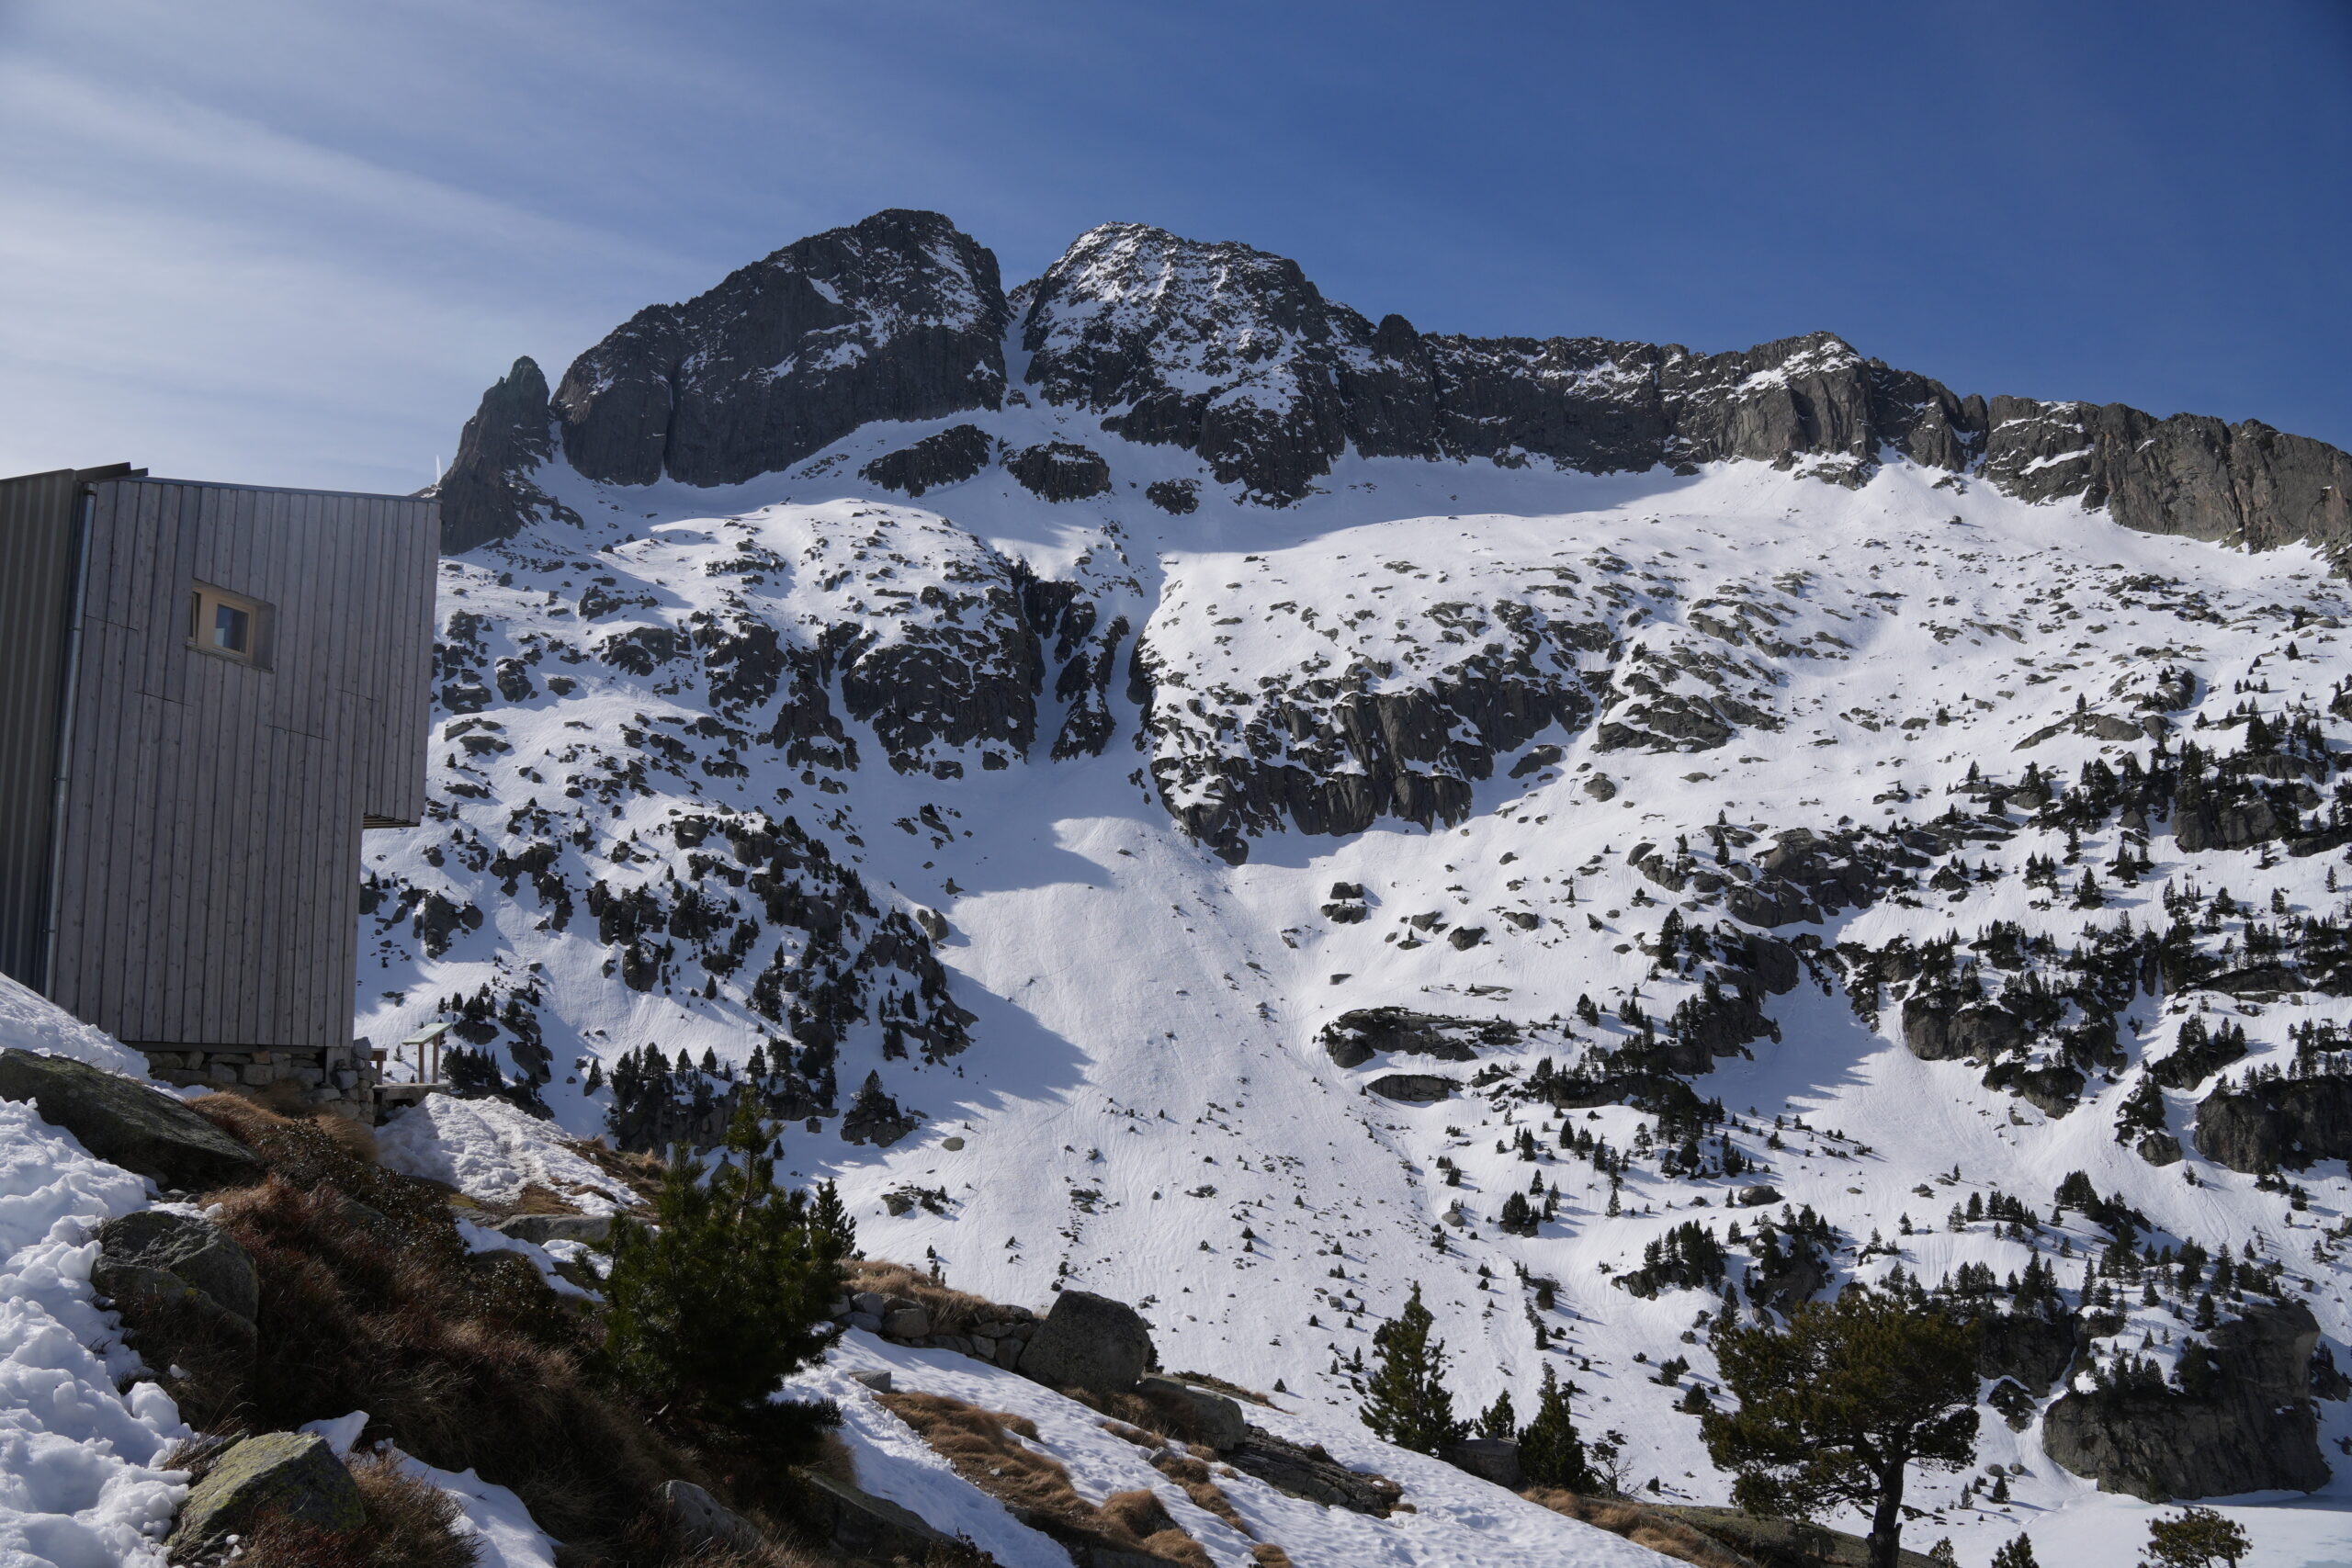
pixel 119 1120
pixel 2253 1429
pixel 196 1250
pixel 1091 1342
pixel 286 1475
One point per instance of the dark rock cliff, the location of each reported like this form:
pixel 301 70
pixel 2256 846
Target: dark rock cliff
pixel 489 492
pixel 899 317
pixel 2247 1425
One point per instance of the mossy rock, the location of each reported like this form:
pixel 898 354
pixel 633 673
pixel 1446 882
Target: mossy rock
pixel 289 1475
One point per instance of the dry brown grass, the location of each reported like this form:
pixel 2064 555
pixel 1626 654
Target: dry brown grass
pixel 1266 1554
pixel 1192 1474
pixel 980 1445
pixel 1643 1526
pixel 370 1301
pixel 952 1311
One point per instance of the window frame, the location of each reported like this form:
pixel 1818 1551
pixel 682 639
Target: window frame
pixel 205 601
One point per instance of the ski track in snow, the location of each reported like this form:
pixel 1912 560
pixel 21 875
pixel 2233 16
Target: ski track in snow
pixel 1148 1014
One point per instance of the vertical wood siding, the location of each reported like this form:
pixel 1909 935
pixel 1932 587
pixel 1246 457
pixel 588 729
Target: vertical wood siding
pixel 210 857
pixel 35 594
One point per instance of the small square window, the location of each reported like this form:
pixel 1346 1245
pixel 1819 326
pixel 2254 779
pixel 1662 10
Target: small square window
pixel 227 625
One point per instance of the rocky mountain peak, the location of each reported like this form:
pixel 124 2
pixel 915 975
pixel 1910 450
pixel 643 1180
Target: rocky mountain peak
pixel 1233 354
pixel 900 316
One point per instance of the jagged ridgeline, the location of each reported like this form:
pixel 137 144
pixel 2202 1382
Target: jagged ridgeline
pixel 1631 838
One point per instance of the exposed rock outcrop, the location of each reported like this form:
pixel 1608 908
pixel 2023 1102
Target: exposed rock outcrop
pixel 899 317
pixel 958 453
pixel 490 491
pixel 1354 1038
pixel 1060 471
pixel 1310 1472
pixel 2253 1427
pixel 2276 1124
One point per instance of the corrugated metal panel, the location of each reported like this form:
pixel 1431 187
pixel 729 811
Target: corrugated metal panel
pixel 37 530
pixel 212 884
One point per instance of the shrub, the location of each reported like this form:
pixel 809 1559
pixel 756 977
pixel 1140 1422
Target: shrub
pixel 729 1293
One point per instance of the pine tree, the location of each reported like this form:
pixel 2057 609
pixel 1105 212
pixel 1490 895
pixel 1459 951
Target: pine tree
pixel 1406 1399
pixel 727 1293
pixel 1498 1419
pixel 1835 1408
pixel 829 1214
pixel 1550 1452
pixel 2019 1554
pixel 2198 1538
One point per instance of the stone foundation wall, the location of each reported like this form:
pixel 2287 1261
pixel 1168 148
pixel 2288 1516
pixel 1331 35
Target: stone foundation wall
pixel 339 1078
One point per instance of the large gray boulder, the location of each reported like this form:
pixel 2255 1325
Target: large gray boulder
pixel 1091 1342
pixel 289 1475
pixel 1215 1417
pixel 194 1250
pixel 117 1119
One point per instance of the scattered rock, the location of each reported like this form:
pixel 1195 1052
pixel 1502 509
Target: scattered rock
pixel 1091 1342
pixel 292 1475
pixel 1759 1195
pixel 905 1322
pixel 120 1120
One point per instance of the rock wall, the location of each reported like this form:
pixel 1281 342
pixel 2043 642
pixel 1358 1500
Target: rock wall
pixel 2256 1429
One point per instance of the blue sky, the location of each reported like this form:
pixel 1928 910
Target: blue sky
pixel 289 242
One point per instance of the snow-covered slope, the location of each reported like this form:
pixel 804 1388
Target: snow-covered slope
pixel 1034 852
